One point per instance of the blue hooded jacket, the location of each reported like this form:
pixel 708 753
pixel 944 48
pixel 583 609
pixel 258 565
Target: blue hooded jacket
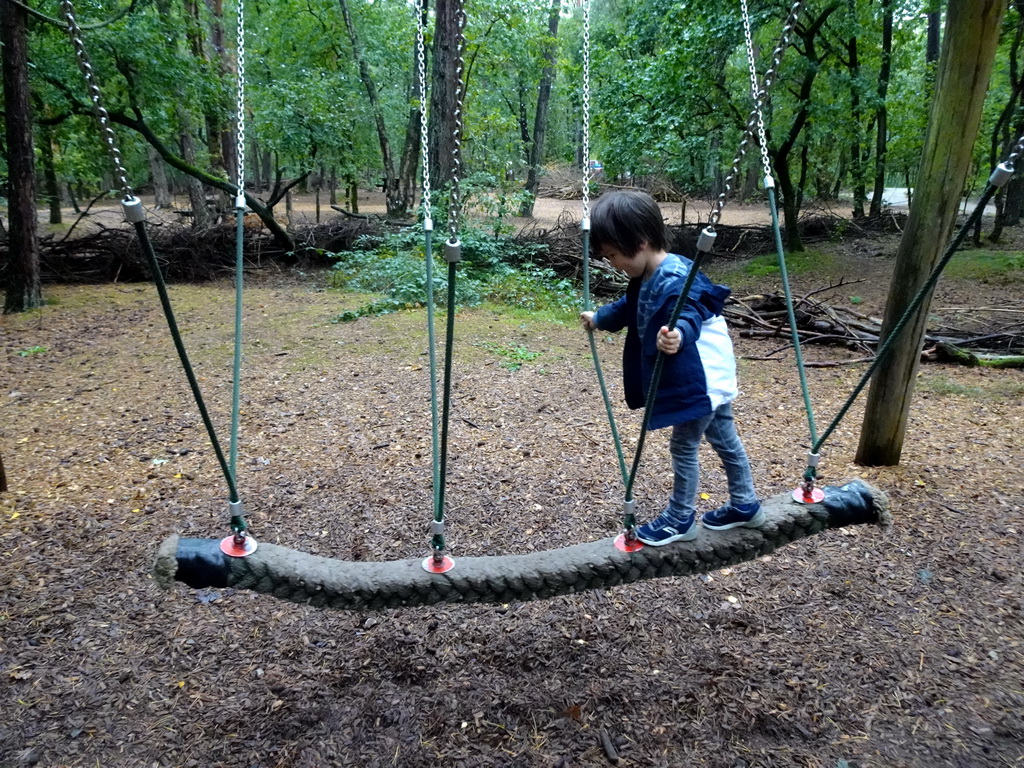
pixel 702 375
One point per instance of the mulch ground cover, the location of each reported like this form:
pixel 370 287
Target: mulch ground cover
pixel 858 647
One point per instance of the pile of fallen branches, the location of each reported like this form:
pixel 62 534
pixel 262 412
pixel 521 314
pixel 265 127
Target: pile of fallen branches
pixel 982 338
pixel 186 253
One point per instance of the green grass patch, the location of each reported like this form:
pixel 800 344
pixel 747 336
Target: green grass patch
pixel 799 263
pixel 992 388
pixel 987 266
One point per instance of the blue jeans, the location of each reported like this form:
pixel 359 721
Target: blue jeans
pixel 720 430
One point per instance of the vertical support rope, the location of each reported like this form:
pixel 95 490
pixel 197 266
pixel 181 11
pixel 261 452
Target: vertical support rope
pixel 236 386
pixel 757 94
pixel 135 214
pixel 438 542
pixel 585 226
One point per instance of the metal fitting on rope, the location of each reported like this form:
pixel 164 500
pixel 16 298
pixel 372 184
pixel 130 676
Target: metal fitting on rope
pixel 585 224
pixel 428 224
pixel 437 527
pixel 769 182
pixel 235 508
pixel 706 240
pixel 1001 175
pixel 812 459
pixel 240 201
pixel 453 250
pixel 134 213
pixel 629 508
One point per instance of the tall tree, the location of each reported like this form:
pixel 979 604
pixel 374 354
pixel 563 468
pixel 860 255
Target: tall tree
pixel 392 194
pixel 881 111
pixel 24 290
pixel 540 119
pixel 968 50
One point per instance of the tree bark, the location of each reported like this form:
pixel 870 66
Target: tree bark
pixel 540 118
pixel 968 50
pixel 856 145
pixel 24 290
pixel 444 75
pixel 881 113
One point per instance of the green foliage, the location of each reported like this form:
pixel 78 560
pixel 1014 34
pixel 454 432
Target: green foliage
pixel 32 351
pixel 856 300
pixel 394 267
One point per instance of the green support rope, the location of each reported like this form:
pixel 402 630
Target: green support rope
pixel 585 226
pixel 135 215
pixel 236 368
pixel 915 304
pixel 756 93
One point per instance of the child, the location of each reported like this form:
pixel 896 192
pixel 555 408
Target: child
pixel 698 380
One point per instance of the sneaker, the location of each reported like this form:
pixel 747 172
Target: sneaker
pixel 734 516
pixel 665 530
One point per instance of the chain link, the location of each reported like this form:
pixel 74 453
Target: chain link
pixel 755 90
pixel 455 205
pixel 94 95
pixel 421 63
pixel 1017 150
pixel 240 104
pixel 755 121
pixel 586 110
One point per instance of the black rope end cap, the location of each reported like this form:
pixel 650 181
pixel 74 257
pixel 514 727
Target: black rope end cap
pixel 199 563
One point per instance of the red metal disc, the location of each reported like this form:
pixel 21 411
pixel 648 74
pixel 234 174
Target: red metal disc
pixel 627 545
pixel 800 495
pixel 445 564
pixel 229 545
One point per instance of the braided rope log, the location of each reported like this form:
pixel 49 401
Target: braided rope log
pixel 323 582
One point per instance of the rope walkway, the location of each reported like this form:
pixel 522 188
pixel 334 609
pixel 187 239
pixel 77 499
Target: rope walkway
pixel 361 586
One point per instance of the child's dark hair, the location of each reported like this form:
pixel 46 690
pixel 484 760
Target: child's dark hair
pixel 626 220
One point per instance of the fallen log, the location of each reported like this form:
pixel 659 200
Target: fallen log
pixel 323 582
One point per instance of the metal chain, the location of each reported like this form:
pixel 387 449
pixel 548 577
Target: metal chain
pixel 94 95
pixel 240 104
pixel 455 205
pixel 586 110
pixel 1018 148
pixel 754 122
pixel 755 90
pixel 421 63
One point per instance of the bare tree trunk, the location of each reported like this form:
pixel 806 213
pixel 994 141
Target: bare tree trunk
pixel 881 113
pixel 857 144
pixel 24 290
pixel 540 117
pixel 50 187
pixel 968 50
pixel 158 173
pixel 392 195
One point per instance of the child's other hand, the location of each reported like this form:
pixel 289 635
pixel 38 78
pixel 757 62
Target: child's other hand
pixel 668 341
pixel 587 318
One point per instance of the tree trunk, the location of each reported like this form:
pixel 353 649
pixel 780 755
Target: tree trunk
pixel 857 144
pixel 790 194
pixel 540 117
pixel 968 50
pixel 158 173
pixel 24 290
pixel 50 186
pixel 444 75
pixel 881 113
pixel 392 195
pixel 411 148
